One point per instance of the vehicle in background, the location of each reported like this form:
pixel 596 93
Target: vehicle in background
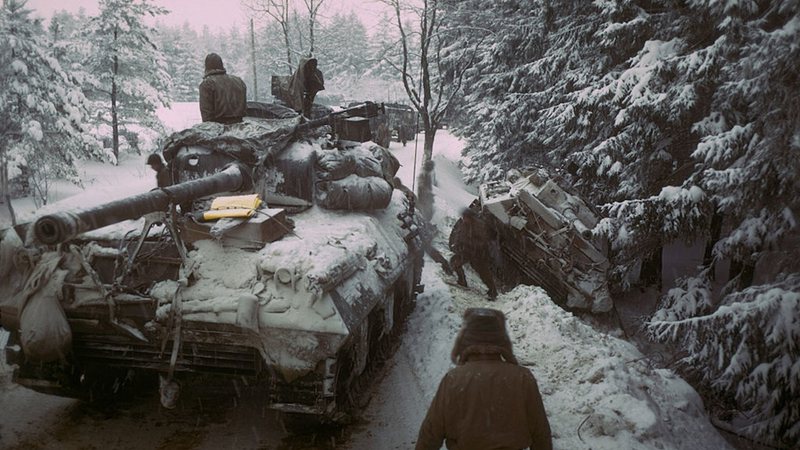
pixel 403 121
pixel 546 239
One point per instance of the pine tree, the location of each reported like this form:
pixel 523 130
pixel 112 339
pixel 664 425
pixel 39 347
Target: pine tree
pixel 533 60
pixel 342 52
pixel 42 109
pixel 669 115
pixel 184 61
pixel 746 343
pixel 130 73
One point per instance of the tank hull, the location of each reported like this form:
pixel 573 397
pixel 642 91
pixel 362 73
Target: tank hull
pixel 304 354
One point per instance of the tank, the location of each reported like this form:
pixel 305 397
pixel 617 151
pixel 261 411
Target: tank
pixel 311 270
pixel 545 237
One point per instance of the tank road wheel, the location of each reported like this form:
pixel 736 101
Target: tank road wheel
pixel 375 342
pixel 404 302
pixel 347 386
pixel 298 424
pixel 107 386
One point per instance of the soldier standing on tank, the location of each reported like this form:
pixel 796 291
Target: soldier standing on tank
pixel 223 97
pixel 314 82
pixel 469 242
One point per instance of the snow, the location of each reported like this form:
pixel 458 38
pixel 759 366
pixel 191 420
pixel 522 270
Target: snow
pixel 600 392
pixel 34 130
pixel 180 115
pixel 19 67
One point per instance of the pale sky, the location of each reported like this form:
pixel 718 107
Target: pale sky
pixel 214 13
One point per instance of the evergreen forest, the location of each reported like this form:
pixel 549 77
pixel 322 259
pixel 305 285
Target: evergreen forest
pixel 678 120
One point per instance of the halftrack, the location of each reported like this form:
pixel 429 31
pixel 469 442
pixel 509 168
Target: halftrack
pixel 545 235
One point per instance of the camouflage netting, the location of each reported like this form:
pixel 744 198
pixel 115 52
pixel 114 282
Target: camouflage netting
pixel 251 141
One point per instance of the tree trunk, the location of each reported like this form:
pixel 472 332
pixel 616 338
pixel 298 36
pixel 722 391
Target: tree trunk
pixel 310 34
pixel 714 233
pixel 744 270
pixel 650 275
pixel 425 178
pixel 4 184
pixel 114 119
pixel 288 49
pixel 253 56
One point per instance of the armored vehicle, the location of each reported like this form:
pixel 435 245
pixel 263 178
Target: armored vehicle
pixel 402 121
pixel 292 284
pixel 545 235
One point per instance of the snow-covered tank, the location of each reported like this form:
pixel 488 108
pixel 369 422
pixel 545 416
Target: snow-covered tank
pixel 296 295
pixel 545 233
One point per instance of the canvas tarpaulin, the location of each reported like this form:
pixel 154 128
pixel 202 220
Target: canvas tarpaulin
pixel 45 334
pixel 355 178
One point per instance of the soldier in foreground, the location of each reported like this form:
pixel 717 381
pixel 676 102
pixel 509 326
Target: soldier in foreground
pixel 488 400
pixel 223 97
pixel 469 241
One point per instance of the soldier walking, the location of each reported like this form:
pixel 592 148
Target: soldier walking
pixel 488 400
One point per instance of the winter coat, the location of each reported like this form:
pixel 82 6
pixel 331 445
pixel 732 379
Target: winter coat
pixel 223 97
pixel 304 84
pixel 471 238
pixel 486 403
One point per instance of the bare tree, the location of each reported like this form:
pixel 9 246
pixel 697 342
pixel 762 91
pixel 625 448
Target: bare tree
pixel 312 6
pixel 430 88
pixel 253 59
pixel 279 10
pixel 284 12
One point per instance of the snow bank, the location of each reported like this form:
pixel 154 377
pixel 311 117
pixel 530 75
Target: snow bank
pixel 180 115
pixel 600 392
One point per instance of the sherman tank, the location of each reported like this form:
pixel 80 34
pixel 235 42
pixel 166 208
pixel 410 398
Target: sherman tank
pixel 279 254
pixel 545 237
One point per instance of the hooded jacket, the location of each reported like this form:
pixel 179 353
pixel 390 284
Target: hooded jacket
pixel 304 84
pixel 488 401
pixel 223 97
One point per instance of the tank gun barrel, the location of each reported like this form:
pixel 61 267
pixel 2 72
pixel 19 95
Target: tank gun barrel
pixel 63 226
